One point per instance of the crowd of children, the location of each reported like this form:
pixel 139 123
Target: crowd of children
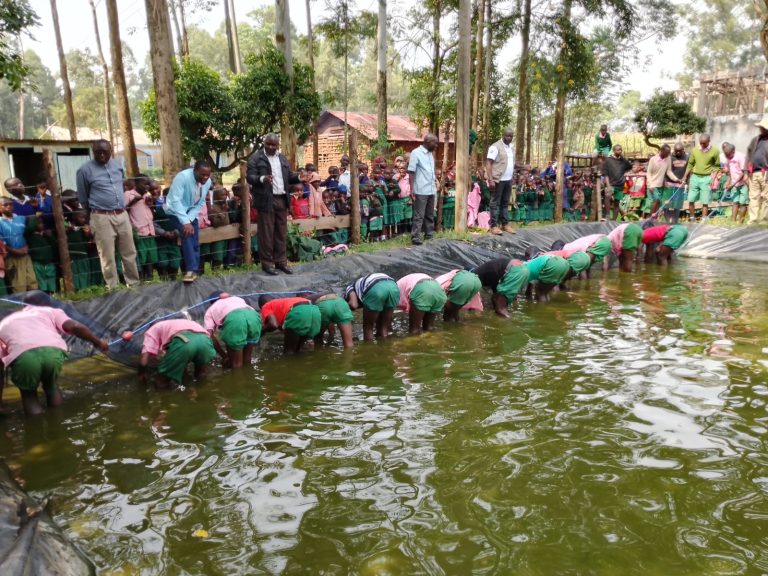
pixel 33 351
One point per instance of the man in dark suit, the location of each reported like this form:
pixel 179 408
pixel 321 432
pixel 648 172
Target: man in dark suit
pixel 270 176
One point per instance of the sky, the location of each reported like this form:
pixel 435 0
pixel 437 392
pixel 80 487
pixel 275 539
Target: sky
pixel 664 56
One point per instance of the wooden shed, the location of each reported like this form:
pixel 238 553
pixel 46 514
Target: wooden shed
pixel 402 134
pixel 24 159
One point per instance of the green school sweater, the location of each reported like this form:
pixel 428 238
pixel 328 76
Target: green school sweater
pixel 704 163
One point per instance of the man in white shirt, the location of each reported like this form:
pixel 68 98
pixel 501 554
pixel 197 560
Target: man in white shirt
pixel 499 169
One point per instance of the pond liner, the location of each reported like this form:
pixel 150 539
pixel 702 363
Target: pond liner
pixel 108 316
pixel 38 546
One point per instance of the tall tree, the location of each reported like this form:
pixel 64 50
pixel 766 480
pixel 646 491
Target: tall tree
pixel 564 21
pixel 311 53
pixel 284 44
pixel 522 85
pixel 63 73
pixel 121 91
pixel 105 71
pixel 381 74
pixel 161 52
pixel 487 73
pixel 16 16
pixel 462 114
pixel 475 115
pixel 233 44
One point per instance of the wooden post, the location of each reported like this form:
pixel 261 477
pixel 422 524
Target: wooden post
pixel 58 220
pixel 444 169
pixel 462 114
pixel 245 223
pixel 559 182
pixel 354 212
pixel 597 195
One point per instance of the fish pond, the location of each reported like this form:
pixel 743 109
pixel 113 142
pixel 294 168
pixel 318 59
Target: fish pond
pixel 619 429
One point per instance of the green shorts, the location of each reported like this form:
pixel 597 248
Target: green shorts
pixel 185 347
pixel 383 295
pixel 618 193
pixel 603 151
pixel 216 250
pixel 463 288
pixel 673 198
pixel 739 195
pixel 656 194
pixel 675 236
pixel 168 254
pixel 241 327
pixel 304 320
pixel 38 366
pixel 555 269
pixel 46 276
pixel 633 235
pixel 146 250
pixel 428 296
pixel 513 281
pixel 579 262
pixel 334 311
pixel 600 249
pixel 699 189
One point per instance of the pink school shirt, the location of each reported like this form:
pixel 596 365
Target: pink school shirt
pixel 140 214
pixel 160 334
pixel 581 244
pixel 406 284
pixel 616 236
pixel 30 328
pixel 445 281
pixel 736 165
pixel 405 187
pixel 202 218
pixel 217 312
pixel 655 234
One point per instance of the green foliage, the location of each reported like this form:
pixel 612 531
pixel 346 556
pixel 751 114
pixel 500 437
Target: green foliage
pixel 16 16
pixel 221 118
pixel 40 95
pixel 662 116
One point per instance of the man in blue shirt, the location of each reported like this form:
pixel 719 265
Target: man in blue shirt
pixel 421 173
pixel 100 189
pixel 185 199
pixel 19 272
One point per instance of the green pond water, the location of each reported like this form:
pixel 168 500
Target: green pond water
pixel 620 429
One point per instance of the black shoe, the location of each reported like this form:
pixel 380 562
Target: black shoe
pixel 416 241
pixel 284 268
pixel 428 238
pixel 269 270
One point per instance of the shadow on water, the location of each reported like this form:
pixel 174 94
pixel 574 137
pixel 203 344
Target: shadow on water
pixel 619 429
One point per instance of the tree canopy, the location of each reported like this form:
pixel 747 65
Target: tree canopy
pixel 16 16
pixel 662 116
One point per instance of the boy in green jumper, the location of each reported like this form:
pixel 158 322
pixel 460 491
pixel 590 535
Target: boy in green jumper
pixel 702 163
pixel 78 236
pixel 42 250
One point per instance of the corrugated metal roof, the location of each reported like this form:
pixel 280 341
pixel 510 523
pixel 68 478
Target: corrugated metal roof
pixel 399 128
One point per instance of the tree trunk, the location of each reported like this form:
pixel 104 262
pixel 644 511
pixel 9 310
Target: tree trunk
pixel 311 50
pixel 475 113
pixel 58 219
pixel 562 90
pixel 443 171
pixel 235 37
pixel 647 140
pixel 522 85
pixel 528 126
pixel 245 220
pixel 487 73
pixel 232 39
pixel 21 113
pixel 354 212
pixel 105 71
pixel 184 35
pixel 161 54
pixel 63 73
pixel 381 76
pixel 462 114
pixel 121 91
pixel 176 27
pixel 559 182
pixel 283 41
pixel 434 116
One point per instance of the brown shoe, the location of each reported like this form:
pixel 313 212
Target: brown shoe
pixel 496 230
pixel 510 229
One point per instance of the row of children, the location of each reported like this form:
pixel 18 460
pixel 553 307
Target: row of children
pixel 33 351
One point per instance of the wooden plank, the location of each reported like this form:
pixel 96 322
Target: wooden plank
pixel 232 231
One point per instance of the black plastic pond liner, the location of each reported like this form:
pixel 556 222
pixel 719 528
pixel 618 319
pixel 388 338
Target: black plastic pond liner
pixel 110 315
pixel 37 546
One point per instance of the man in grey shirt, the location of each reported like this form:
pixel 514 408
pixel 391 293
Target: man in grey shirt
pixel 100 190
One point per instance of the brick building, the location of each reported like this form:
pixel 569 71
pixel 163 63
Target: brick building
pixel 402 134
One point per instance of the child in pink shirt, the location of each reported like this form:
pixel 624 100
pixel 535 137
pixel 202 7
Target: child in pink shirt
pixel 422 297
pixel 239 325
pixel 177 343
pixel 32 349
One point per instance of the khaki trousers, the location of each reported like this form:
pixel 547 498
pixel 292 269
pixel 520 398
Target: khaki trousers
pixel 758 198
pixel 108 230
pixel 20 274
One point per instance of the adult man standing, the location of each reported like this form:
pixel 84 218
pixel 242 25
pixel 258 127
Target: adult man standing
pixel 269 176
pixel 736 186
pixel 757 157
pixel 615 167
pixel 659 169
pixel 499 169
pixel 703 161
pixel 100 190
pixel 186 197
pixel 421 175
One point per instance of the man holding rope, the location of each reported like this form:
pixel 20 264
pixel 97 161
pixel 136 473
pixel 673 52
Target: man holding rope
pixel 659 169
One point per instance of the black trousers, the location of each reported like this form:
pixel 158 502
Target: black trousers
pixel 272 232
pixel 500 196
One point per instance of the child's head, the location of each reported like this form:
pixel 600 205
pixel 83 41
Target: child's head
pixel 388 173
pixel 77 218
pixel 237 189
pixel 363 169
pixel 297 190
pixel 309 167
pixel 333 171
pixel 637 167
pixel 6 206
pixel 327 197
pixel 264 298
pixel 129 184
pixel 220 195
